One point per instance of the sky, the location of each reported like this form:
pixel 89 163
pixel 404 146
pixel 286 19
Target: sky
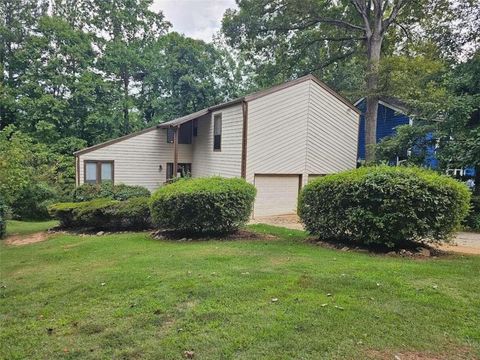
pixel 199 19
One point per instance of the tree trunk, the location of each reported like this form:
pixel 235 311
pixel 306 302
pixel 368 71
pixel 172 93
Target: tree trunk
pixel 374 45
pixel 126 120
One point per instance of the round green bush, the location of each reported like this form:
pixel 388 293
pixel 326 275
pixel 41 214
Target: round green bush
pixel 87 192
pixel 3 220
pixel 203 205
pixel 384 205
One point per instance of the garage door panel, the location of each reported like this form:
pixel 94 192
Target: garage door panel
pixel 276 194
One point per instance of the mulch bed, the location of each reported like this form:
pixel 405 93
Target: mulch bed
pixel 170 235
pixel 408 249
pixel 238 235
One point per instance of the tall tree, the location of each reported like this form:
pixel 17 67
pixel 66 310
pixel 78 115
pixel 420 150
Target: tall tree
pixel 18 19
pixel 180 75
pixel 331 31
pixel 125 28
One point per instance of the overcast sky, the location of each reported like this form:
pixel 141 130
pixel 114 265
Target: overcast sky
pixel 199 19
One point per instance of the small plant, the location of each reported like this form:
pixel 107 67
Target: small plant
pixel 104 214
pixel 384 205
pixel 203 205
pixel 87 192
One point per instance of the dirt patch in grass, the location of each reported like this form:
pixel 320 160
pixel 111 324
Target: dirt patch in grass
pixel 19 240
pixel 238 235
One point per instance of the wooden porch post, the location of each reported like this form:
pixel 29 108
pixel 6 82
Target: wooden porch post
pixel 175 151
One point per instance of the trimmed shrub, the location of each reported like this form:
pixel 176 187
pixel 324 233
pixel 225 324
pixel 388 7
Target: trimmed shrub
pixel 65 213
pixel 87 192
pixel 104 214
pixel 212 205
pixel 3 220
pixel 131 214
pixel 384 205
pixel 472 221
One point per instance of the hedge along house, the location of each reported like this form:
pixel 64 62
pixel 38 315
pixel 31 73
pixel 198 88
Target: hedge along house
pixel 278 139
pixel 392 113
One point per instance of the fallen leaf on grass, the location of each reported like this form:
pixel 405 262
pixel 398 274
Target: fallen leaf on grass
pixel 188 354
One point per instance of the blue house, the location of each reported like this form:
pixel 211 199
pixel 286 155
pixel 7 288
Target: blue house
pixel 389 116
pixel 392 113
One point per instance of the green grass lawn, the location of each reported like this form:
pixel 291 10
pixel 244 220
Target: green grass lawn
pixel 15 227
pixel 127 296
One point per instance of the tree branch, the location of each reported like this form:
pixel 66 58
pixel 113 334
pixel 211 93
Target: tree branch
pixel 405 31
pixel 333 59
pixel 396 10
pixel 361 9
pixel 306 25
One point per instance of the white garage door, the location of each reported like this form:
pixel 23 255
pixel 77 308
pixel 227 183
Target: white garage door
pixel 276 194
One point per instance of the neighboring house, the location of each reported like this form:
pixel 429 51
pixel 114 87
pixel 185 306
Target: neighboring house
pixel 277 139
pixel 392 113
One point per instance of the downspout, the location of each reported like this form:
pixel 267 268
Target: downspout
pixel 244 139
pixel 77 170
pixel 175 151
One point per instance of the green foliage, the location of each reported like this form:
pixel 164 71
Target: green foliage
pixel 32 173
pixel 124 192
pixel 104 214
pixel 472 221
pixel 3 220
pixel 133 214
pixel 408 139
pixel 32 202
pixel 203 205
pixel 87 192
pixel 184 75
pixel 384 205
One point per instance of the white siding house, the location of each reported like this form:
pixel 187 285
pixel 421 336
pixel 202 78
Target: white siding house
pixel 277 139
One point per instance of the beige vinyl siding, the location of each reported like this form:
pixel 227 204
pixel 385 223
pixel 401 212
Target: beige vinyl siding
pixel 228 161
pixel 332 133
pixel 277 132
pixel 137 159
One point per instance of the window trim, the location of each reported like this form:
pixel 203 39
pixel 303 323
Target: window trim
pixel 217 116
pixel 98 170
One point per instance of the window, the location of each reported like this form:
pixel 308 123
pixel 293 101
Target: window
pixel 97 172
pixel 183 170
pixel 185 133
pixel 217 132
pixel 170 135
pixel 195 127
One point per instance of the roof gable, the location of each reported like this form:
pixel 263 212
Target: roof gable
pixel 253 96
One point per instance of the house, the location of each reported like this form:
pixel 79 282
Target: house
pixel 392 113
pixel 277 139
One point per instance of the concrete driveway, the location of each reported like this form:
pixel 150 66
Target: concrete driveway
pixel 464 242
